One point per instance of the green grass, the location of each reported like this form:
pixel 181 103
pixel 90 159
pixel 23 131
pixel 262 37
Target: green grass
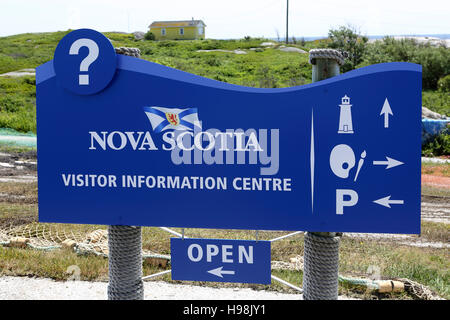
pixel 18 103
pixel 268 68
pixel 426 266
pixel 53 264
pixel 27 50
pixel 432 231
pixel 16 149
pixel 265 68
pixel 436 192
pixel 17 213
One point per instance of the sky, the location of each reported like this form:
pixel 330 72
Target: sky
pixel 230 18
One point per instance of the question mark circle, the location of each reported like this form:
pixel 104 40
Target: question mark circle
pixel 85 62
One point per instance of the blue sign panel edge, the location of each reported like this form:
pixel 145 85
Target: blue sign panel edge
pixel 45 72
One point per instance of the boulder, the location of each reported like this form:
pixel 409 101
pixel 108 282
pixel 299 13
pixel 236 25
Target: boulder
pixel 237 51
pixel 292 49
pixel 267 44
pixel 428 114
pixel 139 35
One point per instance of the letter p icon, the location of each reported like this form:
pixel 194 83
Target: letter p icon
pixel 341 202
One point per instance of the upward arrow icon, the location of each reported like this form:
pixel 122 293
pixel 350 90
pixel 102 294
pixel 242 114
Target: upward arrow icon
pixel 386 110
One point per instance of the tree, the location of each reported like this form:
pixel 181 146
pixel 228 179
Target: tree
pixel 348 40
pixel 149 36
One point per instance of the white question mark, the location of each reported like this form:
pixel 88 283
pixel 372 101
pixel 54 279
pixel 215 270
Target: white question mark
pixel 91 57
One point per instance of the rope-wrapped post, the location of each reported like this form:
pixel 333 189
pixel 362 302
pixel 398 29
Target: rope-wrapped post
pixel 125 249
pixel 325 63
pixel 321 266
pixel 125 263
pixel 321 250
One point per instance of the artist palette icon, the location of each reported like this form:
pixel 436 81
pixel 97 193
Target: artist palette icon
pixel 343 160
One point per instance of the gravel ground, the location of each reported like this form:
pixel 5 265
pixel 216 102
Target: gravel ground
pixel 21 288
pixel 435 160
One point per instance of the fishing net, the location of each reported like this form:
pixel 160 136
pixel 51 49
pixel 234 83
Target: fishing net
pixel 50 237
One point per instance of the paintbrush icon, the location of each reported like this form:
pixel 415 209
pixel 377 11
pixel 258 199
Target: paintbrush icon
pixel 360 163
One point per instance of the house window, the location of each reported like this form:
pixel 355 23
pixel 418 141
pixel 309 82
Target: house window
pixel 163 31
pixel 200 30
pixel 181 31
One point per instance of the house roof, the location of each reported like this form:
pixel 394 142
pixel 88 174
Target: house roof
pixel 181 23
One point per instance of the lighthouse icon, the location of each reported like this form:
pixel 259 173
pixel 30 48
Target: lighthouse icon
pixel 345 118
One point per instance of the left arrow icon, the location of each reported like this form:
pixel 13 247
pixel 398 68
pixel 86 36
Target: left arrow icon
pixel 219 272
pixel 386 201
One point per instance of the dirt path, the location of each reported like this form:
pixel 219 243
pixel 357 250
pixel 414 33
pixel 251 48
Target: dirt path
pixel 434 210
pixel 12 288
pixel 20 168
pixel 436 181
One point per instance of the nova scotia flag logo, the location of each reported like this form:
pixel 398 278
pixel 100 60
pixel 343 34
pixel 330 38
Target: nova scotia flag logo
pixel 163 119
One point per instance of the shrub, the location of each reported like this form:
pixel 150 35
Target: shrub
pixel 147 51
pixel 435 61
pixel 17 103
pixel 437 101
pixel 266 77
pixel 439 146
pixel 444 84
pixel 347 39
pixel 149 36
pixel 208 45
pixel 213 61
pixel 10 103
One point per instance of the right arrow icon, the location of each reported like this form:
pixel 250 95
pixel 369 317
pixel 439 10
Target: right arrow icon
pixel 386 110
pixel 386 201
pixel 389 163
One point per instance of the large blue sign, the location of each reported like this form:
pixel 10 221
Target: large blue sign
pixel 220 260
pixel 160 147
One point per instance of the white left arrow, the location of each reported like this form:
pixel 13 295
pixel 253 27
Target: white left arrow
pixel 389 163
pixel 386 201
pixel 386 110
pixel 219 272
